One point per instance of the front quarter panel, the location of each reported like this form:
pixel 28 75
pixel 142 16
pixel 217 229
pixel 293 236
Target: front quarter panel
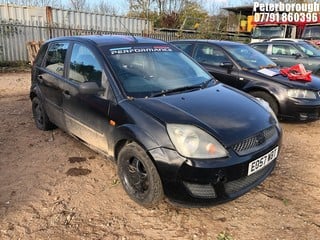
pixel 133 124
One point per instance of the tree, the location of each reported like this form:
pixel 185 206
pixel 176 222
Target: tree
pixel 139 8
pixel 192 15
pixel 104 7
pixel 78 4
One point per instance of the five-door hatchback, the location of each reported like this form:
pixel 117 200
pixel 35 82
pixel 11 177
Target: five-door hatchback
pixel 171 128
pixel 246 69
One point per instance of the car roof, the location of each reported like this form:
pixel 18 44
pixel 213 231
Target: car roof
pixel 110 39
pixel 218 42
pixel 283 40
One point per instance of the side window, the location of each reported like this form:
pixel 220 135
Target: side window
pixel 55 57
pixel 186 47
pixel 283 49
pixel 261 48
pixel 84 65
pixel 210 55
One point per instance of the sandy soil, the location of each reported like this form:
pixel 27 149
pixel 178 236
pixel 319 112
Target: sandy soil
pixel 53 187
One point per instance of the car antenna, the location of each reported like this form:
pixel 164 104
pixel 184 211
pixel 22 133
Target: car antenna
pixel 128 31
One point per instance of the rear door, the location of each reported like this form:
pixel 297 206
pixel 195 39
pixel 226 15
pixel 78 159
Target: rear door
pixel 50 76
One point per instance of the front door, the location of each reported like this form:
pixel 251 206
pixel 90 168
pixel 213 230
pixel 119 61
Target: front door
pixel 213 58
pixel 86 115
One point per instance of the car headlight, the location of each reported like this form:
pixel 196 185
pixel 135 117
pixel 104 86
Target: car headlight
pixel 300 93
pixel 193 142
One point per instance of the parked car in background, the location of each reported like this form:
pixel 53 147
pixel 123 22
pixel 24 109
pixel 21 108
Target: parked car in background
pixel 244 68
pixel 288 52
pixel 171 128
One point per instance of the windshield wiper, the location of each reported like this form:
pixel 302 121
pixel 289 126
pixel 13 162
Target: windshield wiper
pixel 177 90
pixel 206 83
pixel 268 66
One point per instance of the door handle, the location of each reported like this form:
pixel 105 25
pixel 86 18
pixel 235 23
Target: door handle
pixel 40 79
pixel 66 94
pixel 274 58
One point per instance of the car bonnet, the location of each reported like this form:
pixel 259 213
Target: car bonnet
pixel 228 115
pixel 314 84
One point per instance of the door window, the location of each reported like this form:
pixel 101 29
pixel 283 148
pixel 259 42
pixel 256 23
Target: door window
pixel 284 49
pixel 186 47
pixel 56 57
pixel 209 54
pixel 261 48
pixel 84 65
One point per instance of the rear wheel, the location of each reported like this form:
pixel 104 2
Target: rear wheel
pixel 269 99
pixel 139 176
pixel 40 116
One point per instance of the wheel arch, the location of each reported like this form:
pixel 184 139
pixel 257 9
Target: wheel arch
pixel 272 96
pixel 35 92
pixel 132 133
pixel 274 92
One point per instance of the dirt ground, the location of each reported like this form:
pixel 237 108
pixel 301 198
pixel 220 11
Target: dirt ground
pixel 54 187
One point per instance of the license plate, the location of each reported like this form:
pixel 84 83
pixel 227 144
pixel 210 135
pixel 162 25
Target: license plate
pixel 263 161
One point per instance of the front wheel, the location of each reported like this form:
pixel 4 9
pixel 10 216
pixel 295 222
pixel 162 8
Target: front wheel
pixel 269 99
pixel 139 176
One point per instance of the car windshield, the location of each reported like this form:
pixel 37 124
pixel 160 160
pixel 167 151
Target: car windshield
pixel 311 32
pixel 308 49
pixel 266 32
pixel 147 71
pixel 248 58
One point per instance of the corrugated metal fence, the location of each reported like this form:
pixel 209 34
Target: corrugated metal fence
pixel 22 26
pixel 14 38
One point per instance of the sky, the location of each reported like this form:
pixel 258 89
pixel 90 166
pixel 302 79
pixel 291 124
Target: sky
pixel 123 6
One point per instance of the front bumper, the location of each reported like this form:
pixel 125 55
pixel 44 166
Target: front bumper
pixel 301 110
pixel 208 182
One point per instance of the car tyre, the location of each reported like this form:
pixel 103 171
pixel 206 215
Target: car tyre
pixel 269 99
pixel 139 176
pixel 40 116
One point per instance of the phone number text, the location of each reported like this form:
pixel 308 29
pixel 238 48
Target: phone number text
pixel 297 17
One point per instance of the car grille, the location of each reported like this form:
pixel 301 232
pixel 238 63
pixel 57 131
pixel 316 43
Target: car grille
pixel 256 142
pixel 240 184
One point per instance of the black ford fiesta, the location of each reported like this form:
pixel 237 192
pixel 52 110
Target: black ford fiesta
pixel 171 128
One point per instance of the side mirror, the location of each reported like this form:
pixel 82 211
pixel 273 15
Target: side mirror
pixel 297 55
pixel 227 65
pixel 89 88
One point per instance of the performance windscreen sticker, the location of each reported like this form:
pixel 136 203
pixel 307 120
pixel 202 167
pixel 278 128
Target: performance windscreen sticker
pixel 126 50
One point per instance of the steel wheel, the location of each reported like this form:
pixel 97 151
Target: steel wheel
pixel 139 176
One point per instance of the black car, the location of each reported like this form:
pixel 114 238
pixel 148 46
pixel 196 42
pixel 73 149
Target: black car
pixel 288 52
pixel 244 68
pixel 170 127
